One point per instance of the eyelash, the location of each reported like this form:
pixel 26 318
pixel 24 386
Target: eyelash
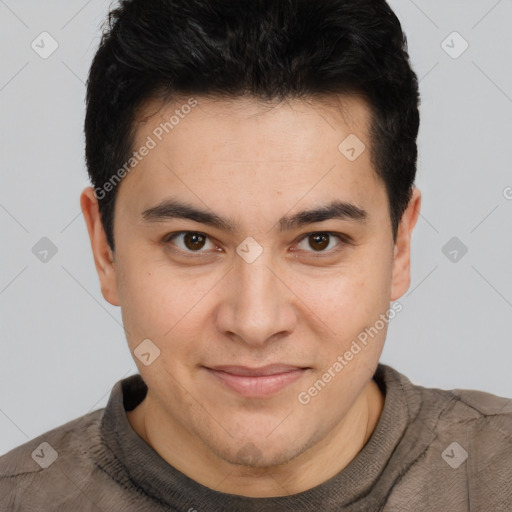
pixel 344 240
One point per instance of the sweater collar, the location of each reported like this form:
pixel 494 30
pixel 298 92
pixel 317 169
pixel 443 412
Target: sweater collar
pixel 361 482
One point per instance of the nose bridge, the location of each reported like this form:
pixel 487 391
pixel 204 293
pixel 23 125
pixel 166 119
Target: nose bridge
pixel 256 283
pixel 257 306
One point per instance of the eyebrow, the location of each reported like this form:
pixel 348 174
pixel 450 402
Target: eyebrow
pixel 175 209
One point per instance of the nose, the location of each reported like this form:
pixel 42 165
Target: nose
pixel 256 304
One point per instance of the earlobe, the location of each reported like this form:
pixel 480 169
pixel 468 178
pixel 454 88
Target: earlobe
pixel 102 253
pixel 401 278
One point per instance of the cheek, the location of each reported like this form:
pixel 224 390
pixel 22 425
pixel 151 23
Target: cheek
pixel 160 304
pixel 351 297
pixel 144 302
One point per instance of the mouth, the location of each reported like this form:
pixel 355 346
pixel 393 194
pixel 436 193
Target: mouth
pixel 257 382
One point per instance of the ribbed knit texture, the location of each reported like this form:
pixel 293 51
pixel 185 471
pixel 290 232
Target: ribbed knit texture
pixel 103 465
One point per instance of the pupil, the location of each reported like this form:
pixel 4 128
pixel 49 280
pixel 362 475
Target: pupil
pixel 194 240
pixel 319 242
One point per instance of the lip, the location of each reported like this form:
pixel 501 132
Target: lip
pixel 257 382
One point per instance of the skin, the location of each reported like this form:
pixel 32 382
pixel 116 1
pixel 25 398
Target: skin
pixel 252 164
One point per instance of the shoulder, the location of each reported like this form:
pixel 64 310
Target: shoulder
pixel 42 466
pixel 472 410
pixel 40 452
pixel 455 452
pixel 479 426
pixel 445 409
pixel 476 423
pixel 462 439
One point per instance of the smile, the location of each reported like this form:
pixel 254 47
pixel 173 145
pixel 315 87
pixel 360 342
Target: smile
pixel 257 382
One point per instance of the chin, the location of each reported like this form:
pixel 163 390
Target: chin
pixel 259 454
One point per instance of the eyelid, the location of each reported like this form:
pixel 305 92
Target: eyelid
pixel 170 236
pixel 344 240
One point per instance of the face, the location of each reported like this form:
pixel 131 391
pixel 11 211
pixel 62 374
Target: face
pixel 254 254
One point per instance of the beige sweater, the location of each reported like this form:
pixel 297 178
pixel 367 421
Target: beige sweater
pixel 432 450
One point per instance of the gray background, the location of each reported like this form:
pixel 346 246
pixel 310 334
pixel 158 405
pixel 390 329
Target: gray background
pixel 62 344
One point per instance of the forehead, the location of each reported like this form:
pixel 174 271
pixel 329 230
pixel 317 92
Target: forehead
pixel 236 117
pixel 253 150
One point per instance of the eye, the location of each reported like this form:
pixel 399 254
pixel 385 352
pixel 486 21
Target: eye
pixel 321 242
pixel 190 241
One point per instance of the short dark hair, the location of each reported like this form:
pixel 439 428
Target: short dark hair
pixel 269 49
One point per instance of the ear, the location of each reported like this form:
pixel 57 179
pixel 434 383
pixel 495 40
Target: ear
pixel 401 279
pixel 103 255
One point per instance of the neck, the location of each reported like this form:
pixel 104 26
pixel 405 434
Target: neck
pixel 317 464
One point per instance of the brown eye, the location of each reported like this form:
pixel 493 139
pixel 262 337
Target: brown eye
pixel 194 241
pixel 322 242
pixel 190 241
pixel 319 241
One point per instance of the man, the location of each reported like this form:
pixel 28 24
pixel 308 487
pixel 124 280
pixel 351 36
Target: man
pixel 252 206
